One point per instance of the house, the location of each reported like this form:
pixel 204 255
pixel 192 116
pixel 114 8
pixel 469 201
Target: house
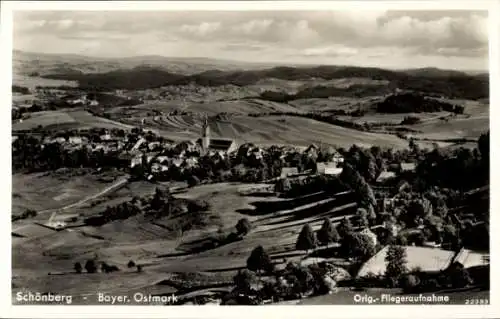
pixel 153 146
pixel 190 162
pixel 177 162
pixel 408 167
pixel 135 161
pixel 59 140
pixel 76 140
pixel 468 259
pixel 216 144
pixel 427 259
pixel 106 137
pixel 186 146
pixel 75 99
pixel 328 168
pixel 225 145
pixel 312 151
pixel 392 228
pixel 162 159
pixel 158 168
pixel 256 153
pixel 150 157
pixel 385 176
pixel 337 158
pixel 289 171
pixel 431 260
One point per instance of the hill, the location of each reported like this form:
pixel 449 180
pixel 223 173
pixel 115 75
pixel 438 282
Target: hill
pixel 453 85
pixel 29 63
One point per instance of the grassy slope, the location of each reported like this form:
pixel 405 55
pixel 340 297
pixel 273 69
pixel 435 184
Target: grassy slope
pixel 65 119
pixel 42 191
pixel 122 243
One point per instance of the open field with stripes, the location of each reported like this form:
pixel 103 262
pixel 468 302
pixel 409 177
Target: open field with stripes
pixel 164 253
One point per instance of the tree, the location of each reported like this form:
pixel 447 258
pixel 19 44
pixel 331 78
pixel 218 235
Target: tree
pixel 483 144
pixel 458 276
pixel 328 234
pixel 78 267
pixel 363 216
pixel 243 226
pixel 259 260
pixel 410 283
pixel 90 266
pixel 283 186
pixel 345 227
pixel 416 209
pixel 131 264
pixel 359 246
pixel 192 181
pixel 243 280
pixel 139 268
pixel 396 264
pixel 306 239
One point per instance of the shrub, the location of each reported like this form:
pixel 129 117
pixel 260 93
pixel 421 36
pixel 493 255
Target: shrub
pixel 78 267
pixel 243 280
pixel 410 120
pixel 259 260
pixel 328 234
pixel 410 283
pixel 193 181
pixel 90 266
pixel 131 264
pixel 307 239
pixel 243 226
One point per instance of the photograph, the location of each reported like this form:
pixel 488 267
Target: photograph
pixel 224 156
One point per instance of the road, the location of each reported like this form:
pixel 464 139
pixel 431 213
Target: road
pixel 120 182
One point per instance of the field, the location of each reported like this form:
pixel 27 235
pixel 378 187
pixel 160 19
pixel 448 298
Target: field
pixel 243 106
pixel 470 128
pixel 44 191
pixel 292 87
pixel 262 130
pixel 32 82
pixel 65 119
pixel 163 252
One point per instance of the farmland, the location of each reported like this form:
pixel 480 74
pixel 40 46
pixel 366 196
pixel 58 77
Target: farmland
pixel 118 244
pixel 64 120
pixel 44 191
pixel 32 82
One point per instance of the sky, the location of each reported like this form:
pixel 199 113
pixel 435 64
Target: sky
pixel 390 39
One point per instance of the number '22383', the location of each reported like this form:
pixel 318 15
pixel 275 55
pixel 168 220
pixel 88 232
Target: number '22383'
pixel 477 301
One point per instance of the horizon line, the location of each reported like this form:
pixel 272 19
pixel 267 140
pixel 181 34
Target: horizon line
pixel 270 63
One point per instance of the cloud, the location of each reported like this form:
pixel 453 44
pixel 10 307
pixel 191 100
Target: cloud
pixel 331 51
pixel 257 34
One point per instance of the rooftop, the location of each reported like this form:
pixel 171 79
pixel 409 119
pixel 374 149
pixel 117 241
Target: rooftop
pixel 220 144
pixel 427 259
pixel 385 176
pixel 408 166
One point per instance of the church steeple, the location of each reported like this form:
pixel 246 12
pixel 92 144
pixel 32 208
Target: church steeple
pixel 205 133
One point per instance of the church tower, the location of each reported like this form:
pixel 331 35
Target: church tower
pixel 205 134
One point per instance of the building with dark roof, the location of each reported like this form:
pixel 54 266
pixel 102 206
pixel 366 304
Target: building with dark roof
pixel 215 144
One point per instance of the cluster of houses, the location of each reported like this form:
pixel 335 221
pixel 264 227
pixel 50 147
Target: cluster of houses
pixel 108 143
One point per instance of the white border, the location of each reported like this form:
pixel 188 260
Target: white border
pixel 381 311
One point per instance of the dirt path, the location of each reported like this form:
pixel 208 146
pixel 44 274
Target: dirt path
pixel 120 182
